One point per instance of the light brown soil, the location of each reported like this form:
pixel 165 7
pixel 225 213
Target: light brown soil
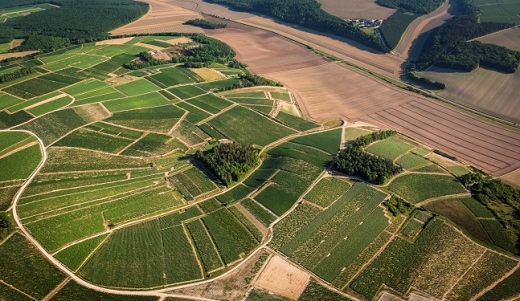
pixel 151 47
pixel 208 74
pixel 263 51
pixel 512 178
pixel 232 287
pixel 486 90
pixel 4 56
pixel 177 41
pixel 15 43
pixel 419 26
pixel 93 112
pixel 118 41
pixel 210 9
pixel 253 219
pixel 161 17
pixel 509 38
pixel 283 279
pixel 352 9
pixel 341 48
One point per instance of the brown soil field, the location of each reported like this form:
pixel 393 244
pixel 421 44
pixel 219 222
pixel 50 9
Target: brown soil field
pixel 512 178
pixel 162 17
pixel 4 56
pixel 332 90
pixel 177 41
pixel 15 43
pixel 458 213
pixel 210 9
pixel 420 26
pixel 119 41
pixel 509 38
pixel 341 48
pixel 283 279
pixel 486 90
pixel 367 9
pixel 149 46
pixel 93 112
pixel 483 144
pixel 263 51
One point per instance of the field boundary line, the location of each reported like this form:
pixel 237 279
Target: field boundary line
pixel 492 285
pixel 463 274
pixel 18 290
pixel 58 288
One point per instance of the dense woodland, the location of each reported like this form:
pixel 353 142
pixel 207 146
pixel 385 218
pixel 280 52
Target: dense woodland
pixel 447 45
pixel 502 199
pixel 307 13
pixel 77 21
pixel 205 24
pixel 413 6
pixel 353 160
pixel 230 161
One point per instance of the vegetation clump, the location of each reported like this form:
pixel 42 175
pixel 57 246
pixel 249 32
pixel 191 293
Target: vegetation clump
pixel 353 160
pixel 205 24
pixel 502 199
pixel 144 60
pixel 397 206
pixel 230 161
pixel 15 75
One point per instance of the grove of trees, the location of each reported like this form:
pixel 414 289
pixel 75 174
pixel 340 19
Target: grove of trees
pixel 413 6
pixel 205 24
pixel 230 161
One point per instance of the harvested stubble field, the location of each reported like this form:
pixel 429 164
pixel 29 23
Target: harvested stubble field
pixel 161 17
pixel 509 38
pixel 356 9
pixel 486 90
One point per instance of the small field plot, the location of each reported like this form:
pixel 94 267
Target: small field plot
pixel 316 157
pixel 218 85
pixel 174 76
pixel 53 126
pixel 34 87
pixel 416 188
pixel 210 103
pixel 136 102
pixel 252 101
pixel 30 273
pixel 34 101
pixel 74 255
pixel 188 91
pixel 50 106
pixel 160 119
pixel 477 208
pixel 10 141
pixel 281 96
pixel 328 141
pixel 504 290
pixel 276 199
pixel 82 61
pixel 180 261
pixel 205 247
pixel 477 276
pixel 7 100
pixel 84 87
pixel 389 148
pixel 427 264
pixel 330 229
pixel 137 87
pixel 153 145
pixel 111 65
pixel 326 191
pixel 192 183
pixel 247 127
pixel 232 239
pixel 190 134
pixel 245 94
pixel 109 129
pixel 208 74
pixel 264 216
pixel 195 114
pixel 296 123
pixel 291 225
pixel 499 11
pixel 412 161
pixel 88 139
pixel 498 234
pixel 60 159
pixel 19 164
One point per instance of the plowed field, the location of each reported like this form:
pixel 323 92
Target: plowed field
pixel 367 9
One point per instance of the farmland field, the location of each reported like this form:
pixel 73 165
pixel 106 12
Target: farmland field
pixel 389 148
pixel 499 11
pixel 416 188
pixel 327 191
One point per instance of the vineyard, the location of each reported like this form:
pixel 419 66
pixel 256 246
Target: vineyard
pixel 123 201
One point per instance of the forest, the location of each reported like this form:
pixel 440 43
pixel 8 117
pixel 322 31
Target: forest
pixel 353 160
pixel 448 45
pixel 306 13
pixel 230 161
pixel 413 6
pixel 78 21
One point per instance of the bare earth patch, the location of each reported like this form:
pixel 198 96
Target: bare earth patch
pixel 512 178
pixel 4 56
pixel 486 90
pixel 119 41
pixel 93 112
pixel 210 9
pixel 152 47
pixel 253 219
pixel 509 38
pixel 208 74
pixel 283 279
pixel 162 17
pixel 15 43
pixel 180 40
pixel 352 9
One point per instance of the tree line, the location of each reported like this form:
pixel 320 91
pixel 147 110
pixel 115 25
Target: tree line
pixel 77 21
pixel 448 45
pixel 230 161
pixel 353 160
pixel 205 24
pixel 412 6
pixel 306 13
pixel 4 78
